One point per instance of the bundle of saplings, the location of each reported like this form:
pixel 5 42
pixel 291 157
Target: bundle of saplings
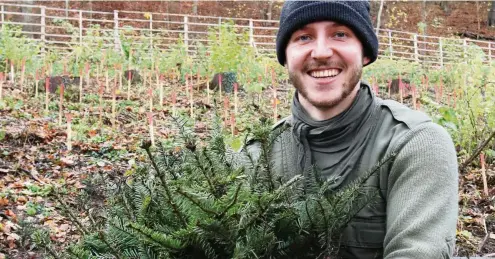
pixel 204 201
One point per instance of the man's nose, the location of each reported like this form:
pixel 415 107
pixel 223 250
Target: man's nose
pixel 322 49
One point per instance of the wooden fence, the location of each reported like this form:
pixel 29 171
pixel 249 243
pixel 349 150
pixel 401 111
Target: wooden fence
pixel 64 29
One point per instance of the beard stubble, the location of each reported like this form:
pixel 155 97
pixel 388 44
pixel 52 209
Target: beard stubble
pixel 348 86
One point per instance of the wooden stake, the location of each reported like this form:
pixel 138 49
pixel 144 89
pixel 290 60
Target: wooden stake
pixel 100 106
pixel 174 102
pixel 81 75
pixel 226 107
pixel 220 85
pixel 87 81
pixel 47 92
pixel 389 85
pixel 150 95
pixel 235 99
pixel 191 101
pixel 1 84
pixel 207 92
pixel 129 78
pixel 61 103
pixel 275 112
pixel 106 79
pixel 114 103
pixel 12 75
pixel 36 83
pixel 150 122
pixel 68 116
pixel 483 174
pixel 23 69
pixel 401 90
pixel 232 124
pixel 161 90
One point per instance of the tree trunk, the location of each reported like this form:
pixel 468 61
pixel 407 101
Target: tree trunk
pixel 195 7
pixel 28 18
pixel 491 15
pixel 379 16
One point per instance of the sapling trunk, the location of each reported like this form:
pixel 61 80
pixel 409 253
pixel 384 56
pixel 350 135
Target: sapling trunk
pixel 400 90
pixel 120 78
pixel 483 174
pixel 275 112
pixel 68 116
pixel 150 96
pixel 226 106
pixel 174 102
pixel 389 85
pixel 441 90
pixel 232 124
pixel 235 99
pixel 151 129
pixel 47 92
pixel 100 106
pixel 220 85
pixel 414 98
pixel 1 84
pixel 81 75
pixel 23 70
pixel 12 75
pixel 144 79
pixel 197 79
pixel 36 79
pixel 114 103
pixel 191 101
pixel 61 104
pixel 187 84
pixel 129 78
pixel 87 81
pixel 106 79
pixel 160 84
pixel 207 92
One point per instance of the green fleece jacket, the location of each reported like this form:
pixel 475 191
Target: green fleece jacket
pixel 416 214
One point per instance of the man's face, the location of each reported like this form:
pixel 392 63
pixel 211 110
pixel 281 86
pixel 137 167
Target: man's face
pixel 325 61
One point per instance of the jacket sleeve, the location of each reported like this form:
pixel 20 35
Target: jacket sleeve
pixel 422 196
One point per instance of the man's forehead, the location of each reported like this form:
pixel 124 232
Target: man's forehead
pixel 325 23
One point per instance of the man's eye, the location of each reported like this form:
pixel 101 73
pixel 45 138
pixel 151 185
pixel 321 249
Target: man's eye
pixel 340 34
pixel 303 38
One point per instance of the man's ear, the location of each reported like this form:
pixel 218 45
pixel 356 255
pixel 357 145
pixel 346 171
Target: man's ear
pixel 366 60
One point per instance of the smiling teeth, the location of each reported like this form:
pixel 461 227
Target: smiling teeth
pixel 325 73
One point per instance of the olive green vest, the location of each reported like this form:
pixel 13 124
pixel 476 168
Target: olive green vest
pixel 387 132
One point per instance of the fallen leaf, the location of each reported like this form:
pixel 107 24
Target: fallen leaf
pixel 22 199
pixel 4 201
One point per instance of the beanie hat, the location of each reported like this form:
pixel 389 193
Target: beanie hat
pixel 355 14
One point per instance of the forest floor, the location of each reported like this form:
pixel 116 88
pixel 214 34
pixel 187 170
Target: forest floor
pixel 34 155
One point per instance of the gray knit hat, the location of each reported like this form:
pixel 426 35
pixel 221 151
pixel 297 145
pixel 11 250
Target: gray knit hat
pixel 355 14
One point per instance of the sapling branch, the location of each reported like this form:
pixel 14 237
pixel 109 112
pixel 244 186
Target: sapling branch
pixel 146 146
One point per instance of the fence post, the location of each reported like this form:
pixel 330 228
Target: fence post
pixel 186 35
pixel 80 28
pixel 416 55
pixel 2 10
pixel 43 30
pixel 390 43
pixel 116 29
pixel 490 52
pixel 251 32
pixel 441 51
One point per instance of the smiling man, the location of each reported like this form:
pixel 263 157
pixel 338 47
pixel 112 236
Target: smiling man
pixel 338 125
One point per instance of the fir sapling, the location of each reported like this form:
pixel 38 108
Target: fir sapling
pixel 202 200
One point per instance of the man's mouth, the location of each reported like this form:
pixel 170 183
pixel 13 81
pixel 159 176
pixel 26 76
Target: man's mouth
pixel 325 73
